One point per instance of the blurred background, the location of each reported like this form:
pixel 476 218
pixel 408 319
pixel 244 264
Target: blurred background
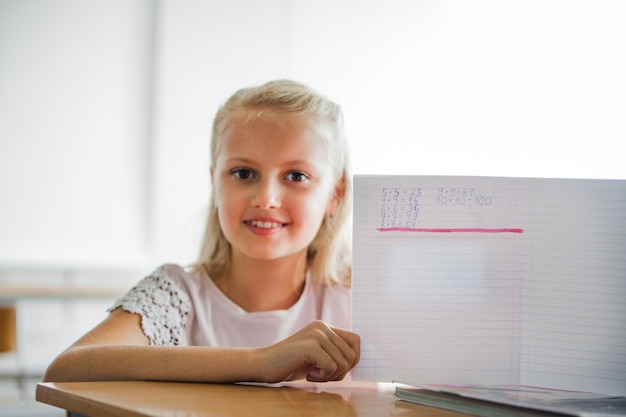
pixel 106 108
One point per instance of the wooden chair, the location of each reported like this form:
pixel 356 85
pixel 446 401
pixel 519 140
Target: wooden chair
pixel 8 329
pixel 8 342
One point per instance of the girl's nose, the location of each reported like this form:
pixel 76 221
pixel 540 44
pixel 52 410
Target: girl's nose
pixel 267 195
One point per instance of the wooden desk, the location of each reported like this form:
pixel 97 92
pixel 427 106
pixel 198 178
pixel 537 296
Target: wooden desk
pixel 173 399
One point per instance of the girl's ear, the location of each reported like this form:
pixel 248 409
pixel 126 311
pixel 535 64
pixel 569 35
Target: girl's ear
pixel 337 196
pixel 212 176
pixel 212 182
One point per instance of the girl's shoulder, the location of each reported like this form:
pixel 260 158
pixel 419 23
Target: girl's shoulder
pixel 162 300
pixel 167 278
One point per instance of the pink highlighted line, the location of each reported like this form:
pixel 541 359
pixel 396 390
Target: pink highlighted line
pixel 460 230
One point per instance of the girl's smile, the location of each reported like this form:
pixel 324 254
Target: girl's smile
pixel 264 226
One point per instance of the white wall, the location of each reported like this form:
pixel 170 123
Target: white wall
pixel 74 83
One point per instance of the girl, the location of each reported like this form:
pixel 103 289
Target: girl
pixel 269 298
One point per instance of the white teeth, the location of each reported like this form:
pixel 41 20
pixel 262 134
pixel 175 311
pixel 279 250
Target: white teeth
pixel 264 225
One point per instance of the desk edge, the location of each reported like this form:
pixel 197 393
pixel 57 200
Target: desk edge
pixel 50 394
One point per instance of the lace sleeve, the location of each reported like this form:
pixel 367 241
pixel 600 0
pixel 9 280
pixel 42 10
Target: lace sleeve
pixel 162 305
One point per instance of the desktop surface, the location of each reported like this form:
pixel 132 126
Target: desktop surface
pixel 161 399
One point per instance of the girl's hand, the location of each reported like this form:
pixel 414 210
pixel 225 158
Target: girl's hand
pixel 318 352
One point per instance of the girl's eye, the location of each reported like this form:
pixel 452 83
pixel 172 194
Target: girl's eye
pixel 297 176
pixel 242 173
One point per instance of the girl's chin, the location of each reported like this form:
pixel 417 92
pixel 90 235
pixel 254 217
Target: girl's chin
pixel 273 255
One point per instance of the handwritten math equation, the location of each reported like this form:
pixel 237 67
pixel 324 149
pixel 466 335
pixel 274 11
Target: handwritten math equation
pixel 403 208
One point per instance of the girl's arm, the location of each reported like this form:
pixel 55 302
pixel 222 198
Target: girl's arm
pixel 117 349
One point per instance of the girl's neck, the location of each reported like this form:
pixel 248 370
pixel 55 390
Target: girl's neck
pixel 264 285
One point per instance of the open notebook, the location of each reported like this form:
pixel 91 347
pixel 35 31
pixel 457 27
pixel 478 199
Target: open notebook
pixel 491 281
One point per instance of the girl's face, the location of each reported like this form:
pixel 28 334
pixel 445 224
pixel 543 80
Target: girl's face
pixel 273 186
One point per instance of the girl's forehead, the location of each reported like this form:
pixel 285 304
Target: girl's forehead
pixel 262 136
pixel 259 125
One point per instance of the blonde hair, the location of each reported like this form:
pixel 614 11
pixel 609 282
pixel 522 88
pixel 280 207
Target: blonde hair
pixel 329 254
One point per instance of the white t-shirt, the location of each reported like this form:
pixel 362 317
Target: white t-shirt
pixel 188 309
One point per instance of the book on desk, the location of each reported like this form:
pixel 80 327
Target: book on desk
pixel 491 281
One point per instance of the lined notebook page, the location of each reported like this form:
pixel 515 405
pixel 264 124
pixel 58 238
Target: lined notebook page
pixel 575 286
pixel 474 280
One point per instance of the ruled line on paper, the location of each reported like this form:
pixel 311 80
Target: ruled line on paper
pixel 457 230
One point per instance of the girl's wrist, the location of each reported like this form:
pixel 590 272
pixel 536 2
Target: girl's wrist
pixel 256 365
